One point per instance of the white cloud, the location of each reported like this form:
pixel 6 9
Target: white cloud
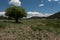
pixel 40 5
pixel 46 14
pixel 55 0
pixel 15 2
pixel 52 0
pixel 2 13
pixel 49 0
pixel 30 14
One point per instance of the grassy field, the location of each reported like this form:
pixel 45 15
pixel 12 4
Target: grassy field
pixel 33 29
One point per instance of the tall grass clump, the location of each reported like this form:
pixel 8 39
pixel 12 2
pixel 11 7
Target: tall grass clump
pixel 2 25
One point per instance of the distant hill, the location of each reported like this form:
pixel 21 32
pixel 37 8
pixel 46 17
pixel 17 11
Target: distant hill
pixel 36 17
pixel 56 15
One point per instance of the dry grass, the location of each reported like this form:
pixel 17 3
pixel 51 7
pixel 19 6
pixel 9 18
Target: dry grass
pixel 34 29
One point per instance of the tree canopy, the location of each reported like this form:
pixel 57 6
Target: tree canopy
pixel 15 12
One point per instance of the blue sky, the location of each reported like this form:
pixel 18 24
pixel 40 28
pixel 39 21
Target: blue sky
pixel 49 7
pixel 41 6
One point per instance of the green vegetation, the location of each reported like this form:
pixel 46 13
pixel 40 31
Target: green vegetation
pixel 2 25
pixel 15 12
pixel 33 29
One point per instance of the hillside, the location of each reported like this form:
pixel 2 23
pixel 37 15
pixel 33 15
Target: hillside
pixel 33 29
pixel 36 17
pixel 56 15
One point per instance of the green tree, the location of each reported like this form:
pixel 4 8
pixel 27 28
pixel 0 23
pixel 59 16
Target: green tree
pixel 15 12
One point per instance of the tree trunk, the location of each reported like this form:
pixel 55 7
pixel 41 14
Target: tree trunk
pixel 16 20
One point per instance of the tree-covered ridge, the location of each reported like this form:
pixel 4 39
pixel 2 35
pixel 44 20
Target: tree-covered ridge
pixel 56 15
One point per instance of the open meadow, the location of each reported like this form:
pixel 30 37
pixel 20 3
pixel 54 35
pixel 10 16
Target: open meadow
pixel 30 29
